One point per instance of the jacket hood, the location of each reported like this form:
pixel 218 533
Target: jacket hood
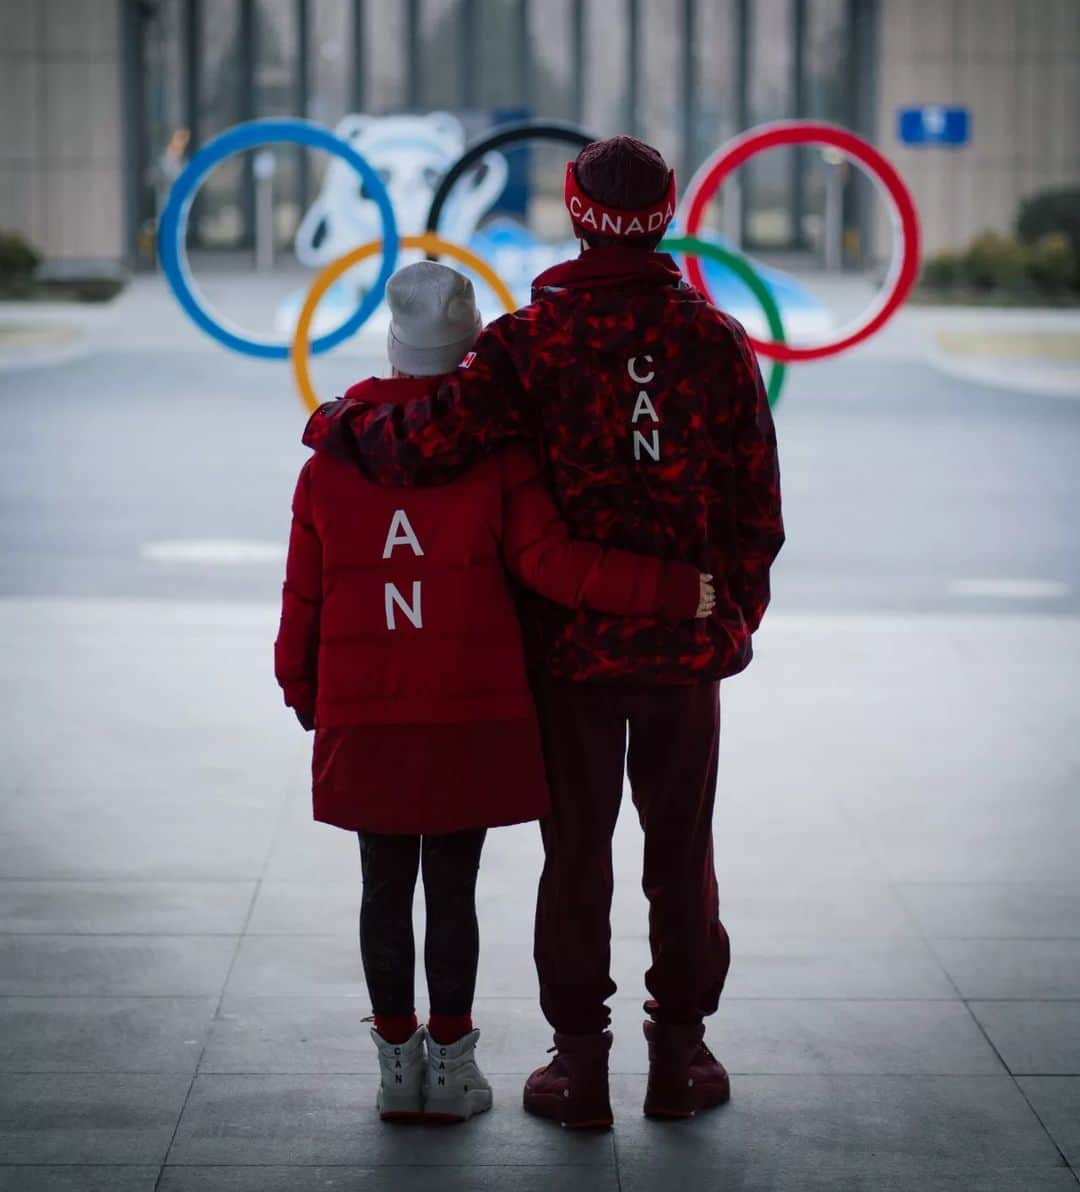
pixel 327 428
pixel 380 390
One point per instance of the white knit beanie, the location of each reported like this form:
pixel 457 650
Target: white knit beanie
pixel 433 318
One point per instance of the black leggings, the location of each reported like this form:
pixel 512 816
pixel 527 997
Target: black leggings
pixel 452 944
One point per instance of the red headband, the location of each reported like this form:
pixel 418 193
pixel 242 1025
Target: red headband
pixel 591 217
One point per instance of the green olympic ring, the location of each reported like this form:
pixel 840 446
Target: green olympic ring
pixel 745 272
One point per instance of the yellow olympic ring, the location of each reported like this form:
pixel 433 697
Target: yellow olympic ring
pixel 300 350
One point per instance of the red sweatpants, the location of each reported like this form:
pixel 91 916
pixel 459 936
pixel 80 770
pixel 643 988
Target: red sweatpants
pixel 672 765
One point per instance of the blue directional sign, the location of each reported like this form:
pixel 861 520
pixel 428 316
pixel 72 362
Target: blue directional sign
pixel 934 124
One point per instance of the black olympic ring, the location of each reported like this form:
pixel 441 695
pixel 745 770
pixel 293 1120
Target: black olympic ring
pixel 524 130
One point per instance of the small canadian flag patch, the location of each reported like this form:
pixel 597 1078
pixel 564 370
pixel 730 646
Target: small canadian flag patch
pixel 468 360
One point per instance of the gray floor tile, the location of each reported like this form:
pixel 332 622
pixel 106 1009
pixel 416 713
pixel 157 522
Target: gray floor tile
pixel 834 968
pixel 107 834
pixel 868 1176
pixel 297 965
pixel 78 1179
pixel 167 908
pixel 307 908
pixel 792 1134
pixel 48 1119
pixel 161 685
pixel 1026 969
pixel 305 851
pixel 283 1035
pixel 73 965
pixel 299 1120
pixel 1001 910
pixel 1034 1038
pixel 785 965
pixel 291 1035
pixel 750 846
pixel 46 1034
pixel 838 910
pixel 327 1034
pixel 1014 843
pixel 1057 1102
pixel 850 1038
pixel 469 1178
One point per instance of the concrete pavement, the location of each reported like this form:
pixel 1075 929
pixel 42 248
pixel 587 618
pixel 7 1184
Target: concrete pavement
pixel 181 996
pixel 182 993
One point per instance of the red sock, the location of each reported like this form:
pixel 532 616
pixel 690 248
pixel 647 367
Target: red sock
pixel 396 1028
pixel 449 1028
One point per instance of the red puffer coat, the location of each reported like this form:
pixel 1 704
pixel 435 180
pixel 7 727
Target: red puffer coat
pixel 399 636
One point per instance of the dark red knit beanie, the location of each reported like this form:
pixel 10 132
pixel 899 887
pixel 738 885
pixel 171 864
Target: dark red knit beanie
pixel 626 174
pixel 622 172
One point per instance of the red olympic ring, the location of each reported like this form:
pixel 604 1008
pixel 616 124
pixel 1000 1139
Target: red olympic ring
pixel 904 267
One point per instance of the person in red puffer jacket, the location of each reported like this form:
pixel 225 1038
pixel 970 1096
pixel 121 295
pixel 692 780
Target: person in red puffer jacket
pixel 647 407
pixel 400 645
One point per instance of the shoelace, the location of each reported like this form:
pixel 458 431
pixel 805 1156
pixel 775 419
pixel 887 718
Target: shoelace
pixel 555 1052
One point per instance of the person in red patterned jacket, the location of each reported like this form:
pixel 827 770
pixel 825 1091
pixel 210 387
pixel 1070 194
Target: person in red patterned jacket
pixel 647 405
pixel 400 645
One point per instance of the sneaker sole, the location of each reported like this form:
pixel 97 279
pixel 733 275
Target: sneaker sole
pixel 397 1106
pixel 458 1109
pixel 670 1113
pixel 599 1124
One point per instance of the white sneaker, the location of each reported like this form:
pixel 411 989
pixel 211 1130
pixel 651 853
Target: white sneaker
pixel 456 1088
pixel 402 1068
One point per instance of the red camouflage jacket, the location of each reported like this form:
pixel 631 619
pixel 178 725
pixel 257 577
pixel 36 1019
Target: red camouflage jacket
pixel 648 407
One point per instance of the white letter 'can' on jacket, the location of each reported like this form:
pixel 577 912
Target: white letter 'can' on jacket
pixel 401 533
pixel 395 601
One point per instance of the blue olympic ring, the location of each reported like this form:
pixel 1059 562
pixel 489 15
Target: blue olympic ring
pixel 171 234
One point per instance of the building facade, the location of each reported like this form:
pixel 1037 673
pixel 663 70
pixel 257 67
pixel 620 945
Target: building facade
pixel 95 90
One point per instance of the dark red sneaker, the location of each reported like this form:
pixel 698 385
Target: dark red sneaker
pixel 573 1088
pixel 684 1075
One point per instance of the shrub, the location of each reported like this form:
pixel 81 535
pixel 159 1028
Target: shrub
pixel 941 272
pixel 1053 212
pixel 18 258
pixel 1051 262
pixel 994 262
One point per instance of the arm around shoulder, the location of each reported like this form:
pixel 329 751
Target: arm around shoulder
pixel 540 550
pixel 432 439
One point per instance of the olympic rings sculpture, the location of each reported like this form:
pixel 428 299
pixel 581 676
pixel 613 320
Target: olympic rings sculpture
pixel 704 185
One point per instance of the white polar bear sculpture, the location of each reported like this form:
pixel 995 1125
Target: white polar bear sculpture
pixel 411 155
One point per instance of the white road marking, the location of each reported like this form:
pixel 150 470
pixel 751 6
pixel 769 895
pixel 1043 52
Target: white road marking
pixel 225 552
pixel 1010 589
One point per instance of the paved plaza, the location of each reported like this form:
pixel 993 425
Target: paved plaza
pixel 897 826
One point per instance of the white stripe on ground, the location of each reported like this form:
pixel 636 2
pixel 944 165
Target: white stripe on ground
pixel 226 552
pixel 1010 589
